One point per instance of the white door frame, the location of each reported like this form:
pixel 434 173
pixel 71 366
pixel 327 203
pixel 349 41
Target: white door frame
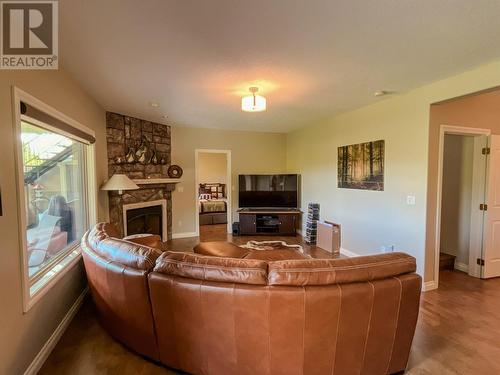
pixel 229 189
pixel 444 130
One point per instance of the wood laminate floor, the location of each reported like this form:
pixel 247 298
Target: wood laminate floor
pixel 458 331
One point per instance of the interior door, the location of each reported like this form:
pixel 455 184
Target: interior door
pixel 476 235
pixel 491 243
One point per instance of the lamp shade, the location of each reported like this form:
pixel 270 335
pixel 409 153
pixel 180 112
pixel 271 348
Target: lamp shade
pixel 253 102
pixel 119 182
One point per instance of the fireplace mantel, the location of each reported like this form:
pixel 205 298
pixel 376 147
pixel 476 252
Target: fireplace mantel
pixel 156 181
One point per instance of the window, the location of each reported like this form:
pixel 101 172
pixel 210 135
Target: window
pixel 54 194
pixel 55 179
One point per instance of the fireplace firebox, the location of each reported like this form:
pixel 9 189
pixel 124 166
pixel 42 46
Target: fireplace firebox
pixel 147 217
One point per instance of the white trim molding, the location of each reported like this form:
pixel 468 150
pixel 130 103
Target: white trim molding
pixel 229 188
pixel 135 206
pixel 462 267
pixel 56 271
pixel 348 253
pixel 184 235
pixel 47 348
pixel 443 130
pixel 429 285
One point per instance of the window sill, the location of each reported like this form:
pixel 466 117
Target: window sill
pixel 51 277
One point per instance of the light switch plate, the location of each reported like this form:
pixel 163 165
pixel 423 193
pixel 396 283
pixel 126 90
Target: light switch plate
pixel 410 200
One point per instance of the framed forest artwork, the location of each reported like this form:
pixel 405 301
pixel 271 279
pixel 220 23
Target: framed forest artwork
pixel 361 166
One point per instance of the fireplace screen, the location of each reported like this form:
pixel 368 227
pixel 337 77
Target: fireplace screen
pixel 145 220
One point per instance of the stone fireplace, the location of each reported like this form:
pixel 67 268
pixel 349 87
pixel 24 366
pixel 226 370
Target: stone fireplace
pixel 127 136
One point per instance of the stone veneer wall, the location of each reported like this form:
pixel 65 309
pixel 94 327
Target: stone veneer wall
pixel 124 132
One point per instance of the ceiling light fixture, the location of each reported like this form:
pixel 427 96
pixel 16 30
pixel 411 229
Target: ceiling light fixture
pixel 253 103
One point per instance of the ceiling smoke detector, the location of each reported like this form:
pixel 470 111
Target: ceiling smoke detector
pixel 379 93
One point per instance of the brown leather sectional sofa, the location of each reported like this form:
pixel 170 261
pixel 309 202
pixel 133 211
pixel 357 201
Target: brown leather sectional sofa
pixel 212 314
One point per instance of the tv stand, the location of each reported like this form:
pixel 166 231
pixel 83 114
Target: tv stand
pixel 269 221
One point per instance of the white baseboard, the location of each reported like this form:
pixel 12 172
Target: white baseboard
pixel 42 356
pixel 462 267
pixel 429 285
pixel 348 253
pixel 183 235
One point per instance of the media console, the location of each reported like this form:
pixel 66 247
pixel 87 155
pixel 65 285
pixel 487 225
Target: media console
pixel 282 222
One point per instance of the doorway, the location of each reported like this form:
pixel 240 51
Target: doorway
pixel 462 194
pixel 213 191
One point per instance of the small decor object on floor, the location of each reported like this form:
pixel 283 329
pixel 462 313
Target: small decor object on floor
pixel 270 245
pixel 361 166
pixel 329 237
pixel 312 223
pixel 174 171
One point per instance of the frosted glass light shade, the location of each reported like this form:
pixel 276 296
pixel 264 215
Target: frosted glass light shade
pixel 253 103
pixel 119 182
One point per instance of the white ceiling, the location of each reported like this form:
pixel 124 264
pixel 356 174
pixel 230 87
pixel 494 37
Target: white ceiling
pixel 311 58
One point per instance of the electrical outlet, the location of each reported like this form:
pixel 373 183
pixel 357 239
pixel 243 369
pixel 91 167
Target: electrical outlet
pixel 179 223
pixel 387 249
pixel 180 189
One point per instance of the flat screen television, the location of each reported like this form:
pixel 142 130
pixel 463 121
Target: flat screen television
pixel 268 191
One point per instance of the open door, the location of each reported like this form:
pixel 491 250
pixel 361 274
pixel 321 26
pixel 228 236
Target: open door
pixel 478 198
pixel 491 243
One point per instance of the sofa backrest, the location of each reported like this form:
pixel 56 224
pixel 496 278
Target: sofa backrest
pixel 209 268
pixel 303 272
pixel 117 273
pixel 211 322
pixel 293 272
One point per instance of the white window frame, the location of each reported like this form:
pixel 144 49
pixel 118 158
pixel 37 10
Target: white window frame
pixel 34 290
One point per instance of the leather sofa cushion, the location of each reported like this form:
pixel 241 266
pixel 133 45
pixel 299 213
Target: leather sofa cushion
pixel 221 249
pixel 210 268
pixel 339 271
pixel 120 251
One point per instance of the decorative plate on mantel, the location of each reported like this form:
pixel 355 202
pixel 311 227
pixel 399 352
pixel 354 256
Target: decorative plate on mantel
pixel 174 171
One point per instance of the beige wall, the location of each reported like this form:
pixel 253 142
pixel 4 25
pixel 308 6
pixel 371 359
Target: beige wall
pixel 23 335
pixel 374 219
pixel 212 167
pixel 458 159
pixel 251 152
pixel 476 111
